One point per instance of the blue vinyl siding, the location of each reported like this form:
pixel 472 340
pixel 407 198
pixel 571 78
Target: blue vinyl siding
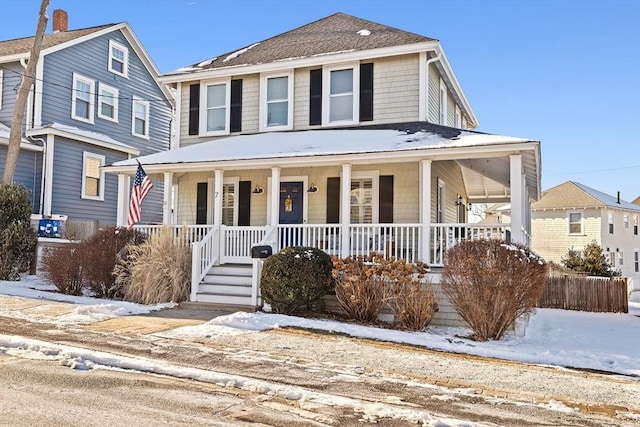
pixel 67 186
pixel 11 79
pixel 28 173
pixel 90 60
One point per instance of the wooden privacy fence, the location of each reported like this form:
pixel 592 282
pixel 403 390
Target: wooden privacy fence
pixel 599 294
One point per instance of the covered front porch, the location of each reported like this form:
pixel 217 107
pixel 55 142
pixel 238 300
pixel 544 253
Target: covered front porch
pixel 402 194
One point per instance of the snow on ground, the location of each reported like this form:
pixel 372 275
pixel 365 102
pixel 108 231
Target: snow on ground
pixel 600 341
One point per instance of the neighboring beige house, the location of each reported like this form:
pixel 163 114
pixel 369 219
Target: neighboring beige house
pixel 572 215
pixel 343 134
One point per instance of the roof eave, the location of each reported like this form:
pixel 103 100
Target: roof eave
pixel 93 141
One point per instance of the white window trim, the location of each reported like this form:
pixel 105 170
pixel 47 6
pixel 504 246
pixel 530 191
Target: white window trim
pixel 621 258
pixel 235 181
pixel 374 175
pixel 443 103
pixel 581 233
pixel 115 92
pixel 264 106
pixel 441 199
pixel 636 260
pixel 135 101
pixel 203 107
pixel 636 224
pixel 611 223
pixel 326 88
pixel 92 93
pixel 1 86
pixel 625 221
pixel 125 65
pixel 101 158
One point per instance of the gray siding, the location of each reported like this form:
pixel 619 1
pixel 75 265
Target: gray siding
pixel 67 186
pixel 90 59
pixel 28 173
pixel 11 79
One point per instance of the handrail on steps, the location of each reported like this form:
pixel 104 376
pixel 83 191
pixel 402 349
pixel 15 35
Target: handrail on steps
pixel 204 254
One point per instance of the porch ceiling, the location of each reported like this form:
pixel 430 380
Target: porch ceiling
pixel 487 179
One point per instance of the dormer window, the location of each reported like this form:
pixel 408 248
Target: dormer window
pixel 118 58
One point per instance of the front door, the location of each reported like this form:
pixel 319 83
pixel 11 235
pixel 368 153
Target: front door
pixel 291 198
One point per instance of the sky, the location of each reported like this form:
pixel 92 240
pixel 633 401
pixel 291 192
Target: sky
pixel 600 341
pixel 563 72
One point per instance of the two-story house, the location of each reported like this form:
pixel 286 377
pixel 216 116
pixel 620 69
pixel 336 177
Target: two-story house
pixel 343 134
pixel 96 100
pixel 572 215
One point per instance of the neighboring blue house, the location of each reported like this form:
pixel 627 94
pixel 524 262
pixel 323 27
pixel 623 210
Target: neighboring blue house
pixel 96 100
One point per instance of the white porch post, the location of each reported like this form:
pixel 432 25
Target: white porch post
pixel 167 217
pixel 48 176
pixel 345 210
pixel 517 204
pixel 123 200
pixel 217 197
pixel 425 209
pixel 275 196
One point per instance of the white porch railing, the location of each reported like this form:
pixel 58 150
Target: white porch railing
pixel 401 241
pixel 192 233
pixel 204 254
pixel 444 236
pixel 236 242
pixel 323 236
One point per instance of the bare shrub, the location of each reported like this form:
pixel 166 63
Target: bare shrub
pixel 492 283
pixel 101 252
pixel 62 266
pixel 366 285
pixel 157 270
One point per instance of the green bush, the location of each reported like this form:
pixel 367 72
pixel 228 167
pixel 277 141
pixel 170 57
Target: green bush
pixel 17 238
pixel 63 267
pixel 100 257
pixel 295 277
pixel 591 261
pixel 492 283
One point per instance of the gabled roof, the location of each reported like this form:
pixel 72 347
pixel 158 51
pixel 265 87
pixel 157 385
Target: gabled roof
pixel 89 137
pixel 334 34
pixel 573 195
pixel 636 201
pixel 24 45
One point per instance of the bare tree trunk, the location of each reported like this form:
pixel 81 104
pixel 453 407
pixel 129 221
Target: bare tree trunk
pixel 23 93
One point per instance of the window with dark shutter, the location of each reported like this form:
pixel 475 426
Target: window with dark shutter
pixel 201 203
pixel 236 106
pixel 333 200
pixel 385 215
pixel 194 109
pixel 366 92
pixel 244 203
pixel 315 97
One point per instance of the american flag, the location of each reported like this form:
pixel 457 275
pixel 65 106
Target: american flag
pixel 141 186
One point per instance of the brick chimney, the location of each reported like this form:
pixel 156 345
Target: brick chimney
pixel 60 21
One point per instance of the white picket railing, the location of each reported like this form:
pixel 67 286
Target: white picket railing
pixel 401 241
pixel 236 242
pixel 204 254
pixel 444 236
pixel 189 233
pixel 323 236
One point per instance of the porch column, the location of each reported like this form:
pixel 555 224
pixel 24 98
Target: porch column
pixel 167 217
pixel 345 210
pixel 275 196
pixel 217 197
pixel 123 199
pixel 425 209
pixel 517 199
pixel 47 190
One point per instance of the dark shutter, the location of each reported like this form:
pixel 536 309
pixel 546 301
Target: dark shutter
pixel 194 109
pixel 386 199
pixel 366 92
pixel 333 200
pixel 236 106
pixel 315 97
pixel 244 203
pixel 201 203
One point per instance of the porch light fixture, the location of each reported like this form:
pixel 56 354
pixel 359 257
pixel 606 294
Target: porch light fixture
pixel 258 190
pixel 459 201
pixel 469 207
pixel 312 189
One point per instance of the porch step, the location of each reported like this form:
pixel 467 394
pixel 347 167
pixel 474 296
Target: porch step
pixel 224 299
pixel 227 284
pixel 225 289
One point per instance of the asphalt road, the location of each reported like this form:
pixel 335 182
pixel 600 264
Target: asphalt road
pixel 342 376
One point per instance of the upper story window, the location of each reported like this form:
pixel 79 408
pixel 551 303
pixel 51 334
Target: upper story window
pixel 83 95
pixel 339 95
pixel 92 176
pixel 636 261
pixel 575 222
pixel 443 103
pixel 276 112
pixel 610 222
pixel 625 220
pixel 118 58
pixel 635 225
pixel 215 109
pixel 107 102
pixel 140 118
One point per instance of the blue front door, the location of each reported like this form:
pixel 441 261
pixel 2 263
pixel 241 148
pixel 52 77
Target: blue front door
pixel 291 198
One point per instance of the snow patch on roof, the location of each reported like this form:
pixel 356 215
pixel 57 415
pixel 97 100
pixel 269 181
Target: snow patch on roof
pixel 207 62
pixel 333 53
pixel 239 52
pixel 364 32
pixel 605 198
pixel 86 134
